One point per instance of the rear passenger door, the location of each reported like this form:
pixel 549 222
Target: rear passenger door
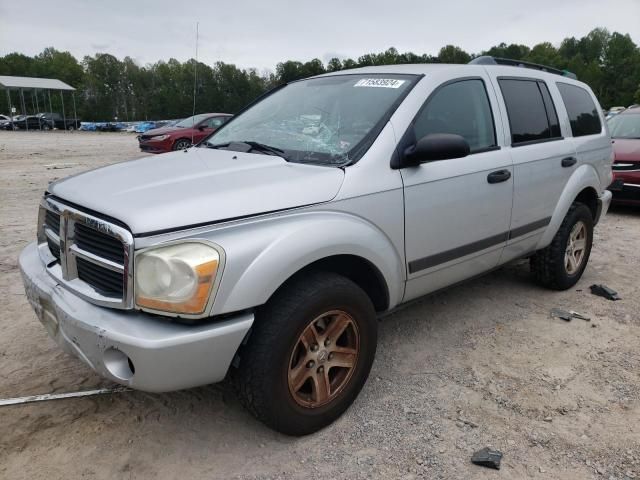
pixel 591 141
pixel 543 159
pixel 457 211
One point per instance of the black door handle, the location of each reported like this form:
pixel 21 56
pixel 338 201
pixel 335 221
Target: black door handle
pixel 569 162
pixel 499 176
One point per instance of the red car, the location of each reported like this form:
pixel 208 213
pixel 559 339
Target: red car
pixel 183 134
pixel 625 131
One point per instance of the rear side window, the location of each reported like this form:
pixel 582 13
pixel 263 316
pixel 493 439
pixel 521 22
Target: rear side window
pixel 532 115
pixel 583 113
pixel 461 108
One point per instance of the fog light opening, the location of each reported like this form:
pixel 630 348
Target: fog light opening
pixel 118 364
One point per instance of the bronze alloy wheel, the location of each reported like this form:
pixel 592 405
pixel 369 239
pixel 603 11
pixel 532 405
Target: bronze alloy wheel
pixel 576 248
pixel 323 359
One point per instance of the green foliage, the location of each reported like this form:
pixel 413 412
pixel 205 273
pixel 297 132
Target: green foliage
pixel 453 54
pixel 109 87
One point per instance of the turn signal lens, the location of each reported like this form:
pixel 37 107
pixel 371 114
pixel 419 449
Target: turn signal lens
pixel 177 278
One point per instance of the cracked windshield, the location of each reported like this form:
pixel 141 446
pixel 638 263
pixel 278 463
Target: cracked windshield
pixel 329 120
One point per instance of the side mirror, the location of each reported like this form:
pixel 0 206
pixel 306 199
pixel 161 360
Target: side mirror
pixel 201 127
pixel 436 146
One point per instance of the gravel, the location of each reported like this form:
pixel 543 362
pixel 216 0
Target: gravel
pixel 480 365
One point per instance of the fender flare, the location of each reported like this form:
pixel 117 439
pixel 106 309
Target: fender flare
pixel 584 176
pixel 302 240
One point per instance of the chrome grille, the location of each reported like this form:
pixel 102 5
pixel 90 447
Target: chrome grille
pixel 106 281
pixel 99 243
pixel 86 254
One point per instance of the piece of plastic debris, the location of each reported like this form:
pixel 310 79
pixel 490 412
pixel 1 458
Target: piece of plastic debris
pixel 580 316
pixel 487 458
pixel 563 314
pixel 59 396
pixel 567 316
pixel 604 291
pixel 59 166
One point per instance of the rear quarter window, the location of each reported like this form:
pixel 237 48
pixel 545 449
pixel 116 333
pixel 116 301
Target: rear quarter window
pixel 532 116
pixel 583 113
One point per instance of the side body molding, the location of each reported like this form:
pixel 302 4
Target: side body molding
pixel 585 176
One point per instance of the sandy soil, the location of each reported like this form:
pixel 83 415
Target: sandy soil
pixel 561 400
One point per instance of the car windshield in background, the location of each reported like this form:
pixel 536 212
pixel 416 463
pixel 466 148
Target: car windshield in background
pixel 625 126
pixel 191 121
pixel 328 120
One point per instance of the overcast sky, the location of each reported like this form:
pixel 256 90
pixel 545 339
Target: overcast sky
pixel 260 33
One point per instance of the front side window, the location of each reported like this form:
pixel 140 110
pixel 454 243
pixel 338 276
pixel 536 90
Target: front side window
pixel 215 122
pixel 328 120
pixel 531 118
pixel 461 108
pixel 582 112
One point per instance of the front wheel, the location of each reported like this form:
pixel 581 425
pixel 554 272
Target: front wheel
pixel 560 265
pixel 309 354
pixel 181 144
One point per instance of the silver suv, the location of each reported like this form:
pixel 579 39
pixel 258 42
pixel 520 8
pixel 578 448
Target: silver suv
pixel 268 251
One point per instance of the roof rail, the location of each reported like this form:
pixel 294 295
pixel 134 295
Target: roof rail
pixel 489 60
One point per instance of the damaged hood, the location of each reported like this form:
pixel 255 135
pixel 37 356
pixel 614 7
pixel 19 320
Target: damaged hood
pixel 197 186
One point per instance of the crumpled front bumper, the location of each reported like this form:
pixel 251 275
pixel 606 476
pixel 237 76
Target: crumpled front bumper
pixel 136 349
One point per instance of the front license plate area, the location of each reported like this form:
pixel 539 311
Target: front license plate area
pixel 44 309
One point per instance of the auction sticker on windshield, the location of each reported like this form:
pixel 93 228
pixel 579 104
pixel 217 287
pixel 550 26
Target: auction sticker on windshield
pixel 379 82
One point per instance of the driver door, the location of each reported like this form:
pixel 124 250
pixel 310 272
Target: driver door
pixel 457 211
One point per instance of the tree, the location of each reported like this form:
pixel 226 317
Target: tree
pixel 108 87
pixel 453 54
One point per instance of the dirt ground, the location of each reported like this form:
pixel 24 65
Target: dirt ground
pixel 480 364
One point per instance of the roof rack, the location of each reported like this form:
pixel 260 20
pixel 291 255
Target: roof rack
pixel 489 60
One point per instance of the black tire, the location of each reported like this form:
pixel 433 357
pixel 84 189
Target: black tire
pixel 548 265
pixel 181 144
pixel 262 375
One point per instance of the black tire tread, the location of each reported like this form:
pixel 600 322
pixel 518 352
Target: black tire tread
pixel 545 263
pixel 255 357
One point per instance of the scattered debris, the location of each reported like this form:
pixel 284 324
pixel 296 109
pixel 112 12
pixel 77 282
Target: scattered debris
pixel 604 291
pixel 466 421
pixel 58 396
pixel 567 315
pixel 60 166
pixel 559 313
pixel 487 458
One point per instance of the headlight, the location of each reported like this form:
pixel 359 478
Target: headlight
pixel 160 137
pixel 177 278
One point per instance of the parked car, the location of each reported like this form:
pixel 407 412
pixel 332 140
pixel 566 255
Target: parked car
pixel 625 131
pixel 29 122
pixel 51 120
pixel 5 122
pixel 88 126
pixel 110 126
pixel 145 126
pixel 183 134
pixel 268 251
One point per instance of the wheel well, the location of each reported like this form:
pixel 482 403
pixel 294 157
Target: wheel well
pixel 589 197
pixel 180 139
pixel 357 269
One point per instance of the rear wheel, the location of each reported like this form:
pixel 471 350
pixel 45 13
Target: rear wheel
pixel 560 265
pixel 309 354
pixel 181 144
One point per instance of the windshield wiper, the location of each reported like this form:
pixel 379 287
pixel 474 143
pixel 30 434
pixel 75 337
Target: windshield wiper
pixel 247 146
pixel 262 147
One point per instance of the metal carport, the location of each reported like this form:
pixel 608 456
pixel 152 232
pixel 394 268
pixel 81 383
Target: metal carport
pixel 32 83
